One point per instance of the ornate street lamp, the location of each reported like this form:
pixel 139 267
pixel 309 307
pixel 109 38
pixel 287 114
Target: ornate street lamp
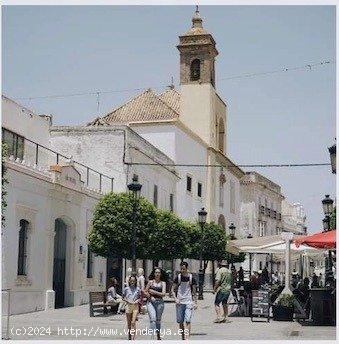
pixel 326 223
pixel 328 209
pixel 327 205
pixel 333 156
pixel 135 189
pixel 232 228
pixel 202 215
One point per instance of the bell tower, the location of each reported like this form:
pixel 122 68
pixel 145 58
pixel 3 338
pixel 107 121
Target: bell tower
pixel 201 109
pixel 197 54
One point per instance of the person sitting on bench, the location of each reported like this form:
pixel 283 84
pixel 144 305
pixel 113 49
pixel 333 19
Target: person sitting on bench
pixel 113 298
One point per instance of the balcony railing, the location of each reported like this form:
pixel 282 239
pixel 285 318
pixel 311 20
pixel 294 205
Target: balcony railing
pixel 42 156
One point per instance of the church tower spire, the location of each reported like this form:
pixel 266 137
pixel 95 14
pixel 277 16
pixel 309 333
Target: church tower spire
pixel 197 54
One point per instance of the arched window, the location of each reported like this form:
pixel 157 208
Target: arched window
pixel 195 70
pixel 22 252
pixel 221 135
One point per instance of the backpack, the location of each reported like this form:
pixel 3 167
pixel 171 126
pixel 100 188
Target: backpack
pixel 190 280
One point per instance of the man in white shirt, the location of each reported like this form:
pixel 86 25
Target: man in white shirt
pixel 184 291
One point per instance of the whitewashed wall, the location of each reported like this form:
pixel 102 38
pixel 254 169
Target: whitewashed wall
pixel 32 195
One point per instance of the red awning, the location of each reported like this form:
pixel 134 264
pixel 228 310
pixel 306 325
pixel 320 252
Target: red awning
pixel 319 240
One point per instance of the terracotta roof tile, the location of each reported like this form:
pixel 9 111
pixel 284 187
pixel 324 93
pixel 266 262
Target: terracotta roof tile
pixel 97 122
pixel 172 99
pixel 145 107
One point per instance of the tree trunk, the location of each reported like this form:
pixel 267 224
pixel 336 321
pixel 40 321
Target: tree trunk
pixel 155 263
pixel 213 273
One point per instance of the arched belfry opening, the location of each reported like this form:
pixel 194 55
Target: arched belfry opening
pixel 197 54
pixel 195 70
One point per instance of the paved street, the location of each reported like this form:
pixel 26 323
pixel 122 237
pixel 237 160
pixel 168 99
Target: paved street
pixel 77 320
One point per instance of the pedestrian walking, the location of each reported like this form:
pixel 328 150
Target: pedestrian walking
pixel 241 276
pixel 155 291
pixel 185 295
pixel 141 279
pixel 222 288
pixel 131 296
pixel 315 281
pixel 264 276
pixel 234 276
pixel 275 278
pixel 128 275
pixel 141 285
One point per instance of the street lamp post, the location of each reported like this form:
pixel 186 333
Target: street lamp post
pixel 135 189
pixel 327 203
pixel 333 157
pixel 202 214
pixel 232 228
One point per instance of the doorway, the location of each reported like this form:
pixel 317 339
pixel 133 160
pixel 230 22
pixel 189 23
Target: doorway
pixel 59 263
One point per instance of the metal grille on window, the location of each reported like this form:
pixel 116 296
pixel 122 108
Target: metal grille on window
pixel 22 252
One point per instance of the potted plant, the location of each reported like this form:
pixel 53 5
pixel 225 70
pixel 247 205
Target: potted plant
pixel 284 309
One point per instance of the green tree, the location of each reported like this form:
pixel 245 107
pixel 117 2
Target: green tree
pixel 112 226
pixel 234 258
pixel 333 219
pixel 4 181
pixel 169 240
pixel 211 242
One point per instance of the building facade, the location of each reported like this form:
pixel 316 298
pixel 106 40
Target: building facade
pixel 121 153
pixel 261 211
pixel 189 125
pixel 293 218
pixel 46 262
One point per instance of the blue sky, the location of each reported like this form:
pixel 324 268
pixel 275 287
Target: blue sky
pixel 279 118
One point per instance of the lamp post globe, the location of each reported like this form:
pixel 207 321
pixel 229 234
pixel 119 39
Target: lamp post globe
pixel 333 157
pixel 202 215
pixel 135 189
pixel 327 205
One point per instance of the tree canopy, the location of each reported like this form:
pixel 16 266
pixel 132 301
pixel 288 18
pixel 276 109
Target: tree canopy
pixel 211 242
pixel 160 234
pixel 112 226
pixel 169 240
